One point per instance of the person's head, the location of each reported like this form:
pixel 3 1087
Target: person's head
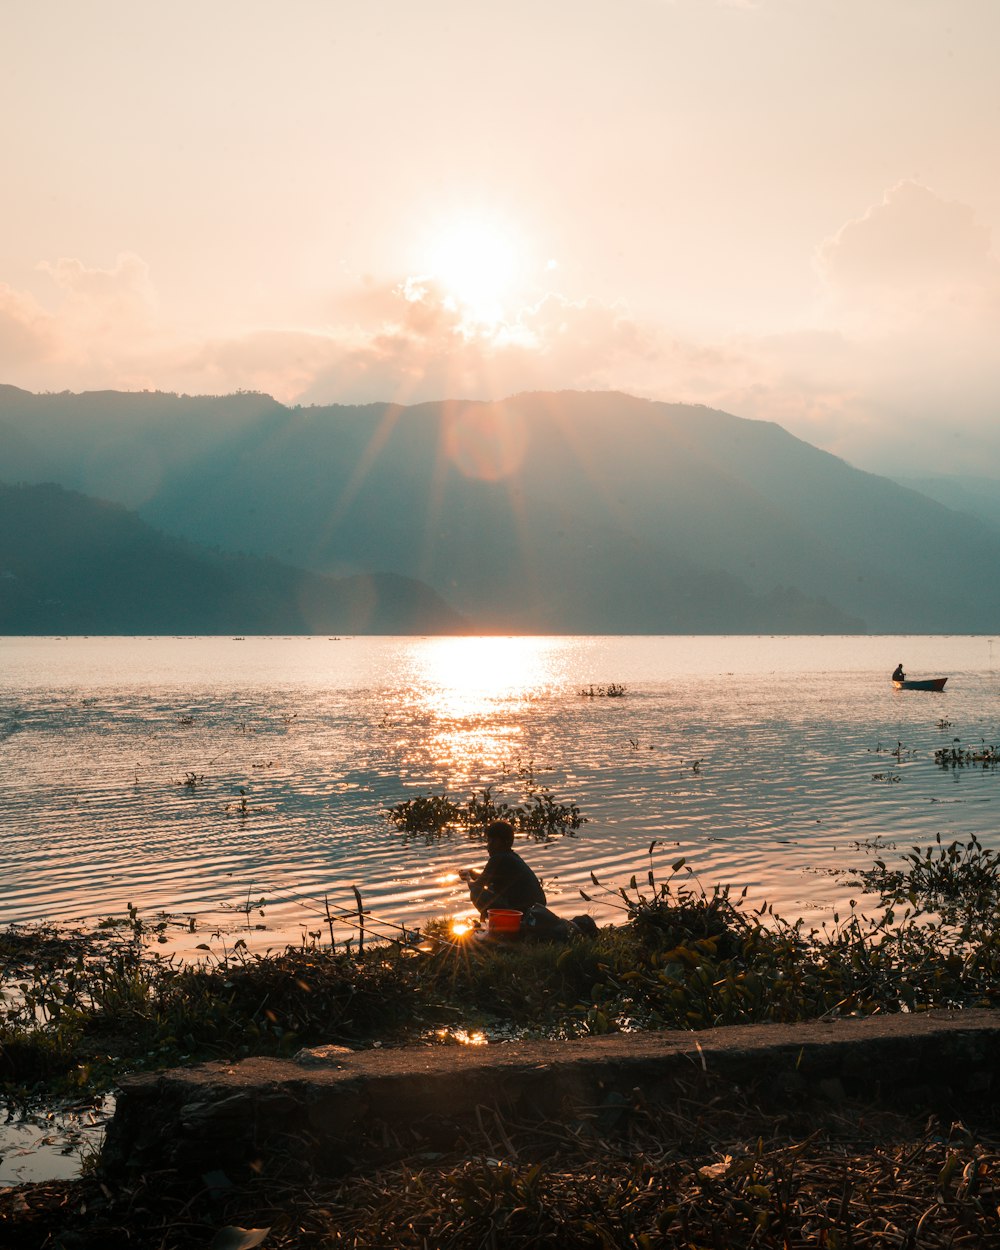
pixel 499 836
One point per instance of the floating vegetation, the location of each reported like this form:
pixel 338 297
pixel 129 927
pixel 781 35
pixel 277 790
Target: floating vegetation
pixel 960 880
pixel 242 806
pixel 140 930
pixel 540 815
pixel 965 757
pixel 615 690
pixel 877 843
pixel 899 751
pixel 431 813
pixel 517 768
pixel 45 947
pixel 886 777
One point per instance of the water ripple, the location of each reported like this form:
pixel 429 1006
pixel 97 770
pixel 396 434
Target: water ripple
pixel 179 775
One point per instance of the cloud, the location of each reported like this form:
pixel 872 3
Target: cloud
pixel 100 330
pixel 912 254
pixel 415 343
pixel 26 331
pixel 279 362
pixel 103 302
pixel 899 372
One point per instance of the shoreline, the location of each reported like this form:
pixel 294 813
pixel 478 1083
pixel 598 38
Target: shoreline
pixel 759 1133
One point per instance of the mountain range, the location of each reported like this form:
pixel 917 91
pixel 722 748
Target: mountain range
pixel 570 512
pixel 70 564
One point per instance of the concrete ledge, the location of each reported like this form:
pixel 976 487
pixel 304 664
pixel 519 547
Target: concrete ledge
pixel 333 1107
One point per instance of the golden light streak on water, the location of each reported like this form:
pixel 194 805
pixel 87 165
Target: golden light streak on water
pixel 468 689
pixel 461 678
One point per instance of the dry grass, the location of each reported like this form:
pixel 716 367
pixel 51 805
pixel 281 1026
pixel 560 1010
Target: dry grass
pixel 724 1175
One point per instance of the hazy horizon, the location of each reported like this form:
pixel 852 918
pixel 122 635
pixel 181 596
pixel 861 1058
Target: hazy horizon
pixel 785 211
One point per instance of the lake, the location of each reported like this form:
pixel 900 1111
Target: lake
pixel 235 784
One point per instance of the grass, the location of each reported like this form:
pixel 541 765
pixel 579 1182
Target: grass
pixel 79 1010
pixel 713 1168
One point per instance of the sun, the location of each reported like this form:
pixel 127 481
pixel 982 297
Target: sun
pixel 475 264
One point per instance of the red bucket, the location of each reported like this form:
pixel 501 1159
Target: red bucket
pixel 501 920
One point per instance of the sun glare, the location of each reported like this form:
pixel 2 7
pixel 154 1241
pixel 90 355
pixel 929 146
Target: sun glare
pixel 467 676
pixel 475 264
pixel 463 685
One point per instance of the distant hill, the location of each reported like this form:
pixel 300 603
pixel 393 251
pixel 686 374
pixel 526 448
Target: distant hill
pixel 572 512
pixel 74 565
pixel 977 496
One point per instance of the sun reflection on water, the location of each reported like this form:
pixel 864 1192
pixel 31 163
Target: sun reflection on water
pixel 467 688
pixel 461 677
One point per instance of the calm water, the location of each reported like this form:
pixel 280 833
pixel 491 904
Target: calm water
pixel 763 760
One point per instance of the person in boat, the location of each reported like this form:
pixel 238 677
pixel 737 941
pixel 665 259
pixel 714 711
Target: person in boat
pixel 899 675
pixel 506 881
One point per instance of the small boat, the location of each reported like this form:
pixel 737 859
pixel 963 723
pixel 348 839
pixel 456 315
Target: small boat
pixel 928 683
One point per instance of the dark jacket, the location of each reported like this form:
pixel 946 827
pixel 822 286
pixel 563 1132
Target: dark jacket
pixel 506 881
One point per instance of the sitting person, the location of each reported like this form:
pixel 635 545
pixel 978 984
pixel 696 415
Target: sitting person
pixel 899 675
pixel 506 881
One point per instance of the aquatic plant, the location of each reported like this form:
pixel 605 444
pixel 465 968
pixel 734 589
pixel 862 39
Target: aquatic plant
pixel 967 873
pixel 427 813
pixel 540 816
pixel 964 757
pixel 960 880
pixel 614 690
pixel 120 1006
pixel 517 768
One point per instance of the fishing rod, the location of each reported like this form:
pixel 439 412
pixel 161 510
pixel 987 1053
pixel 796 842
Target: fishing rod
pixel 356 918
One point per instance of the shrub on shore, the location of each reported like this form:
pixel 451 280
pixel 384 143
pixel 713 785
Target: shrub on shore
pixel 78 1010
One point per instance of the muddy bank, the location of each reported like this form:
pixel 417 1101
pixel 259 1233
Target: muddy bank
pixel 334 1107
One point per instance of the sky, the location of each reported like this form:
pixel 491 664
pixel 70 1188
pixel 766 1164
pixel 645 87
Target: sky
pixel 787 209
